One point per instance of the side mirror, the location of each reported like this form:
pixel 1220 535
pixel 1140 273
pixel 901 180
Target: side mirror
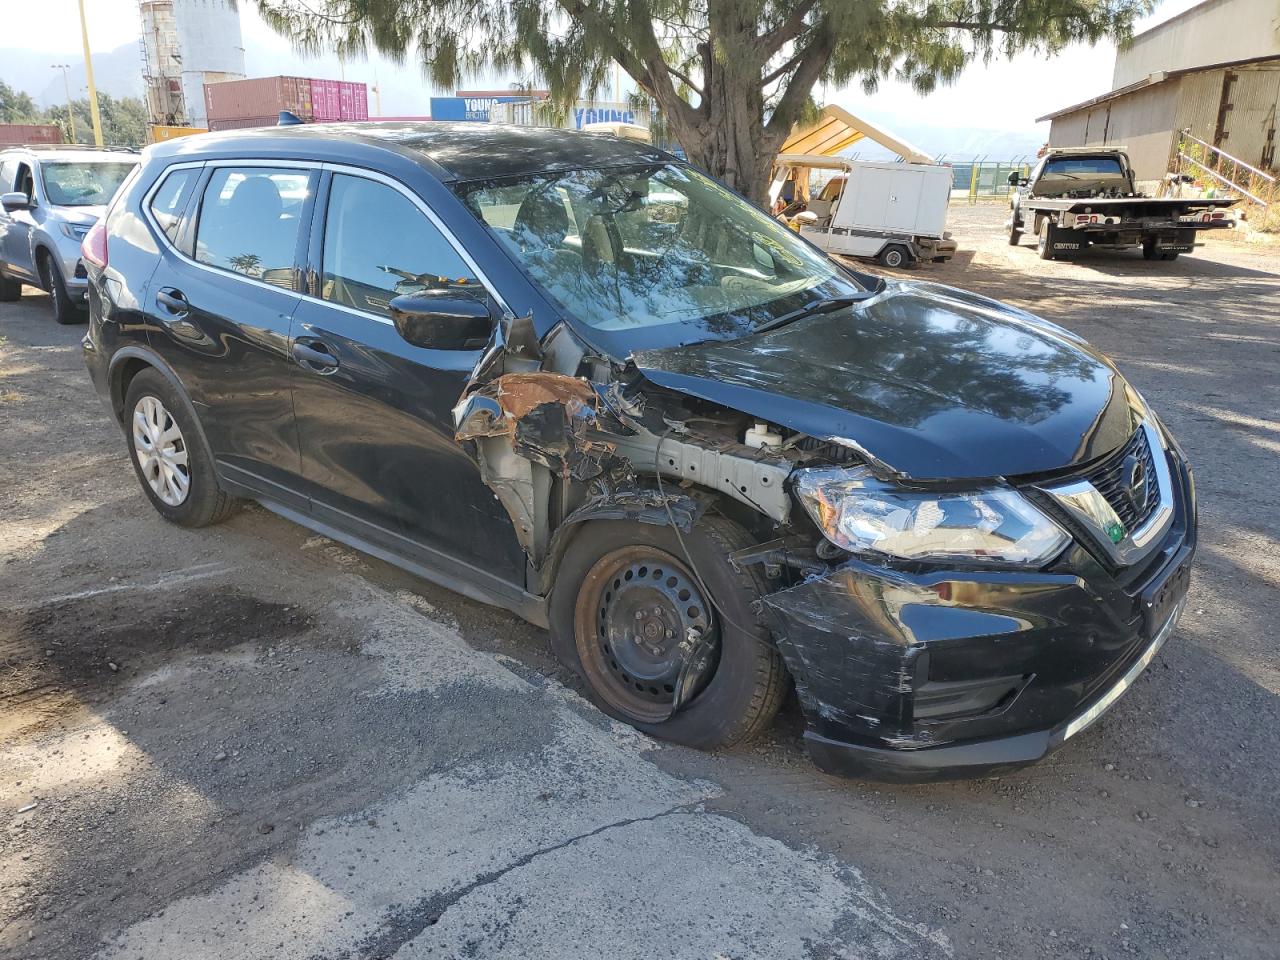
pixel 442 320
pixel 1014 179
pixel 16 201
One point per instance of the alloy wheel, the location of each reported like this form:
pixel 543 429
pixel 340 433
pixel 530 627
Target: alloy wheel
pixel 161 451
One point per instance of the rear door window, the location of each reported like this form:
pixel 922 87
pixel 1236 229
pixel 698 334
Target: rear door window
pixel 249 221
pixel 170 200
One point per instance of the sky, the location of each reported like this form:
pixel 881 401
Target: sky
pixel 1005 95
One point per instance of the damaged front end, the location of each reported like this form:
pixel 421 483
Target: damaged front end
pixel 905 670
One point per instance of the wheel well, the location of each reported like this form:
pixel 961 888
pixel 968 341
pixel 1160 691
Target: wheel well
pixel 43 256
pixel 121 377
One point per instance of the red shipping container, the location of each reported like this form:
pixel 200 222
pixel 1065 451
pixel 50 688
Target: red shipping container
pixel 15 134
pixel 346 101
pixel 258 97
pixel 326 100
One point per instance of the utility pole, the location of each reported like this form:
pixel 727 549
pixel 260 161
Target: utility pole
pixel 66 82
pixel 88 71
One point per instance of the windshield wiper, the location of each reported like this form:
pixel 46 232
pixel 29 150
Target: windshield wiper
pixel 811 309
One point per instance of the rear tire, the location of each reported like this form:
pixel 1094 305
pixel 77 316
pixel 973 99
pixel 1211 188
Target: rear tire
pixel 65 310
pixel 1149 250
pixel 620 582
pixel 164 440
pixel 1044 242
pixel 10 290
pixel 895 256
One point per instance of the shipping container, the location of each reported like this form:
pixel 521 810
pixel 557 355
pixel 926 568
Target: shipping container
pixel 258 97
pixel 158 133
pixel 13 134
pixel 309 99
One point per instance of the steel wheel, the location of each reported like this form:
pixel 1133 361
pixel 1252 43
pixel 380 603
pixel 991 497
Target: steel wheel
pixel 161 451
pixel 639 616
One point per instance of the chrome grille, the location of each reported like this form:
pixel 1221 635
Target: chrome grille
pixel 1109 479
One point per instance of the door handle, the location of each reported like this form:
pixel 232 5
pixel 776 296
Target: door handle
pixel 315 356
pixel 173 301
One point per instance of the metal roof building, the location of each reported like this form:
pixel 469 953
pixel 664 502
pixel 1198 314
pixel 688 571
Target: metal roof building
pixel 1213 70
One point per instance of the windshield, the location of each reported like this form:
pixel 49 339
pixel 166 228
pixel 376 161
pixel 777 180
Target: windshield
pixel 83 184
pixel 656 255
pixel 1082 168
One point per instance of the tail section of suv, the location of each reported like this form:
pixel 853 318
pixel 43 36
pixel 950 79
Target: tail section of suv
pixel 577 378
pixel 49 199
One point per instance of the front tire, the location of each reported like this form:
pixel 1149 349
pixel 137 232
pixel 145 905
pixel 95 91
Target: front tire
pixel 65 310
pixel 626 595
pixel 170 457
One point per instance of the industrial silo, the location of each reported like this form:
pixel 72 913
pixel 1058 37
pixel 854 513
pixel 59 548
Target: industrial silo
pixel 186 44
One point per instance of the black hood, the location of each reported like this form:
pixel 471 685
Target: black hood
pixel 933 381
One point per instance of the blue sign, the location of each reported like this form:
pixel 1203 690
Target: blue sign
pixel 475 109
pixel 583 115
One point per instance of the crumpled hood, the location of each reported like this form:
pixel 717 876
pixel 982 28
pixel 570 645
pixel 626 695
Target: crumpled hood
pixel 935 382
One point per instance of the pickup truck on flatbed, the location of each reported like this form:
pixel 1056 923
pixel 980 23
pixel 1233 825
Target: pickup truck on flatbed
pixel 1085 196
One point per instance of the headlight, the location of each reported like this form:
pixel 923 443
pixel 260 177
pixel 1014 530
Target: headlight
pixel 862 514
pixel 76 231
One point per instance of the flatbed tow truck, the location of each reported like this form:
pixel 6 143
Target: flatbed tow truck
pixel 1081 197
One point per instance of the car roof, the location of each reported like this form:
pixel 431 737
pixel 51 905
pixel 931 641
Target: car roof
pixel 84 154
pixel 453 151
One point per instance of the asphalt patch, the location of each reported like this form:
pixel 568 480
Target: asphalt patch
pixel 82 650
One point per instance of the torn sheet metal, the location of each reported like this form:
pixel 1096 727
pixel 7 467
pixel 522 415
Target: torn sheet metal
pixel 548 418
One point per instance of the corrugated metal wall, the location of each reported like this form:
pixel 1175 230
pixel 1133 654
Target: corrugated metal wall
pixel 1143 122
pixel 1251 121
pixel 1148 121
pixel 1198 104
pixel 1068 131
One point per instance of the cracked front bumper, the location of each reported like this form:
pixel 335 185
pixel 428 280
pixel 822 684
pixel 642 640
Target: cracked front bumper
pixel 912 676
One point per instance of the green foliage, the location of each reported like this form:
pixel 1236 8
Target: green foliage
pixel 124 120
pixel 16 106
pixel 731 76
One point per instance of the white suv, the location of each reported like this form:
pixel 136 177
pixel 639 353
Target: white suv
pixel 49 198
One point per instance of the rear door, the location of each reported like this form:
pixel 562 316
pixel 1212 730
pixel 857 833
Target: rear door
pixel 221 302
pixel 374 413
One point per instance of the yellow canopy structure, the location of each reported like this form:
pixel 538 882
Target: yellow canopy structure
pixel 837 129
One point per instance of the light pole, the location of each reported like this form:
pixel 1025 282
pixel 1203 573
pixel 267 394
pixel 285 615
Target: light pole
pixel 66 82
pixel 88 72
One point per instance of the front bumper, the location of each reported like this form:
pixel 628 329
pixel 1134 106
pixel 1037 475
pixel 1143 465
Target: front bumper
pixel 914 675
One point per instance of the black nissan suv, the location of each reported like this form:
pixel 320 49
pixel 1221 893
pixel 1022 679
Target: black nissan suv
pixel 575 377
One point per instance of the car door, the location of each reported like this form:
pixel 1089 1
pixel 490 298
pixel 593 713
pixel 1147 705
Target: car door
pixel 221 301
pixel 374 414
pixel 17 225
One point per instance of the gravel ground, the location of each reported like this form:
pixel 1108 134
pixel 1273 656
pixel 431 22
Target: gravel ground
pixel 252 742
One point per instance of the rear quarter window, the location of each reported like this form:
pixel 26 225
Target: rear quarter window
pixel 170 200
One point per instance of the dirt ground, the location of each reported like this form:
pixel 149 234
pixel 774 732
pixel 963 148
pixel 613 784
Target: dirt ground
pixel 252 742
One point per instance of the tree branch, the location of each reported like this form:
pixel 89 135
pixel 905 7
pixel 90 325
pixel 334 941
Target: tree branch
pixel 788 30
pixel 813 61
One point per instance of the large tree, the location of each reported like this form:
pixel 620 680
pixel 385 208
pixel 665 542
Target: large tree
pixel 731 76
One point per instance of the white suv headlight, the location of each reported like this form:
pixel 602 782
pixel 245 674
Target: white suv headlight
pixel 862 514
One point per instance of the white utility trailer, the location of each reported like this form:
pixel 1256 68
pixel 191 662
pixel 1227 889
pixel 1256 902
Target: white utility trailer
pixel 894 213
